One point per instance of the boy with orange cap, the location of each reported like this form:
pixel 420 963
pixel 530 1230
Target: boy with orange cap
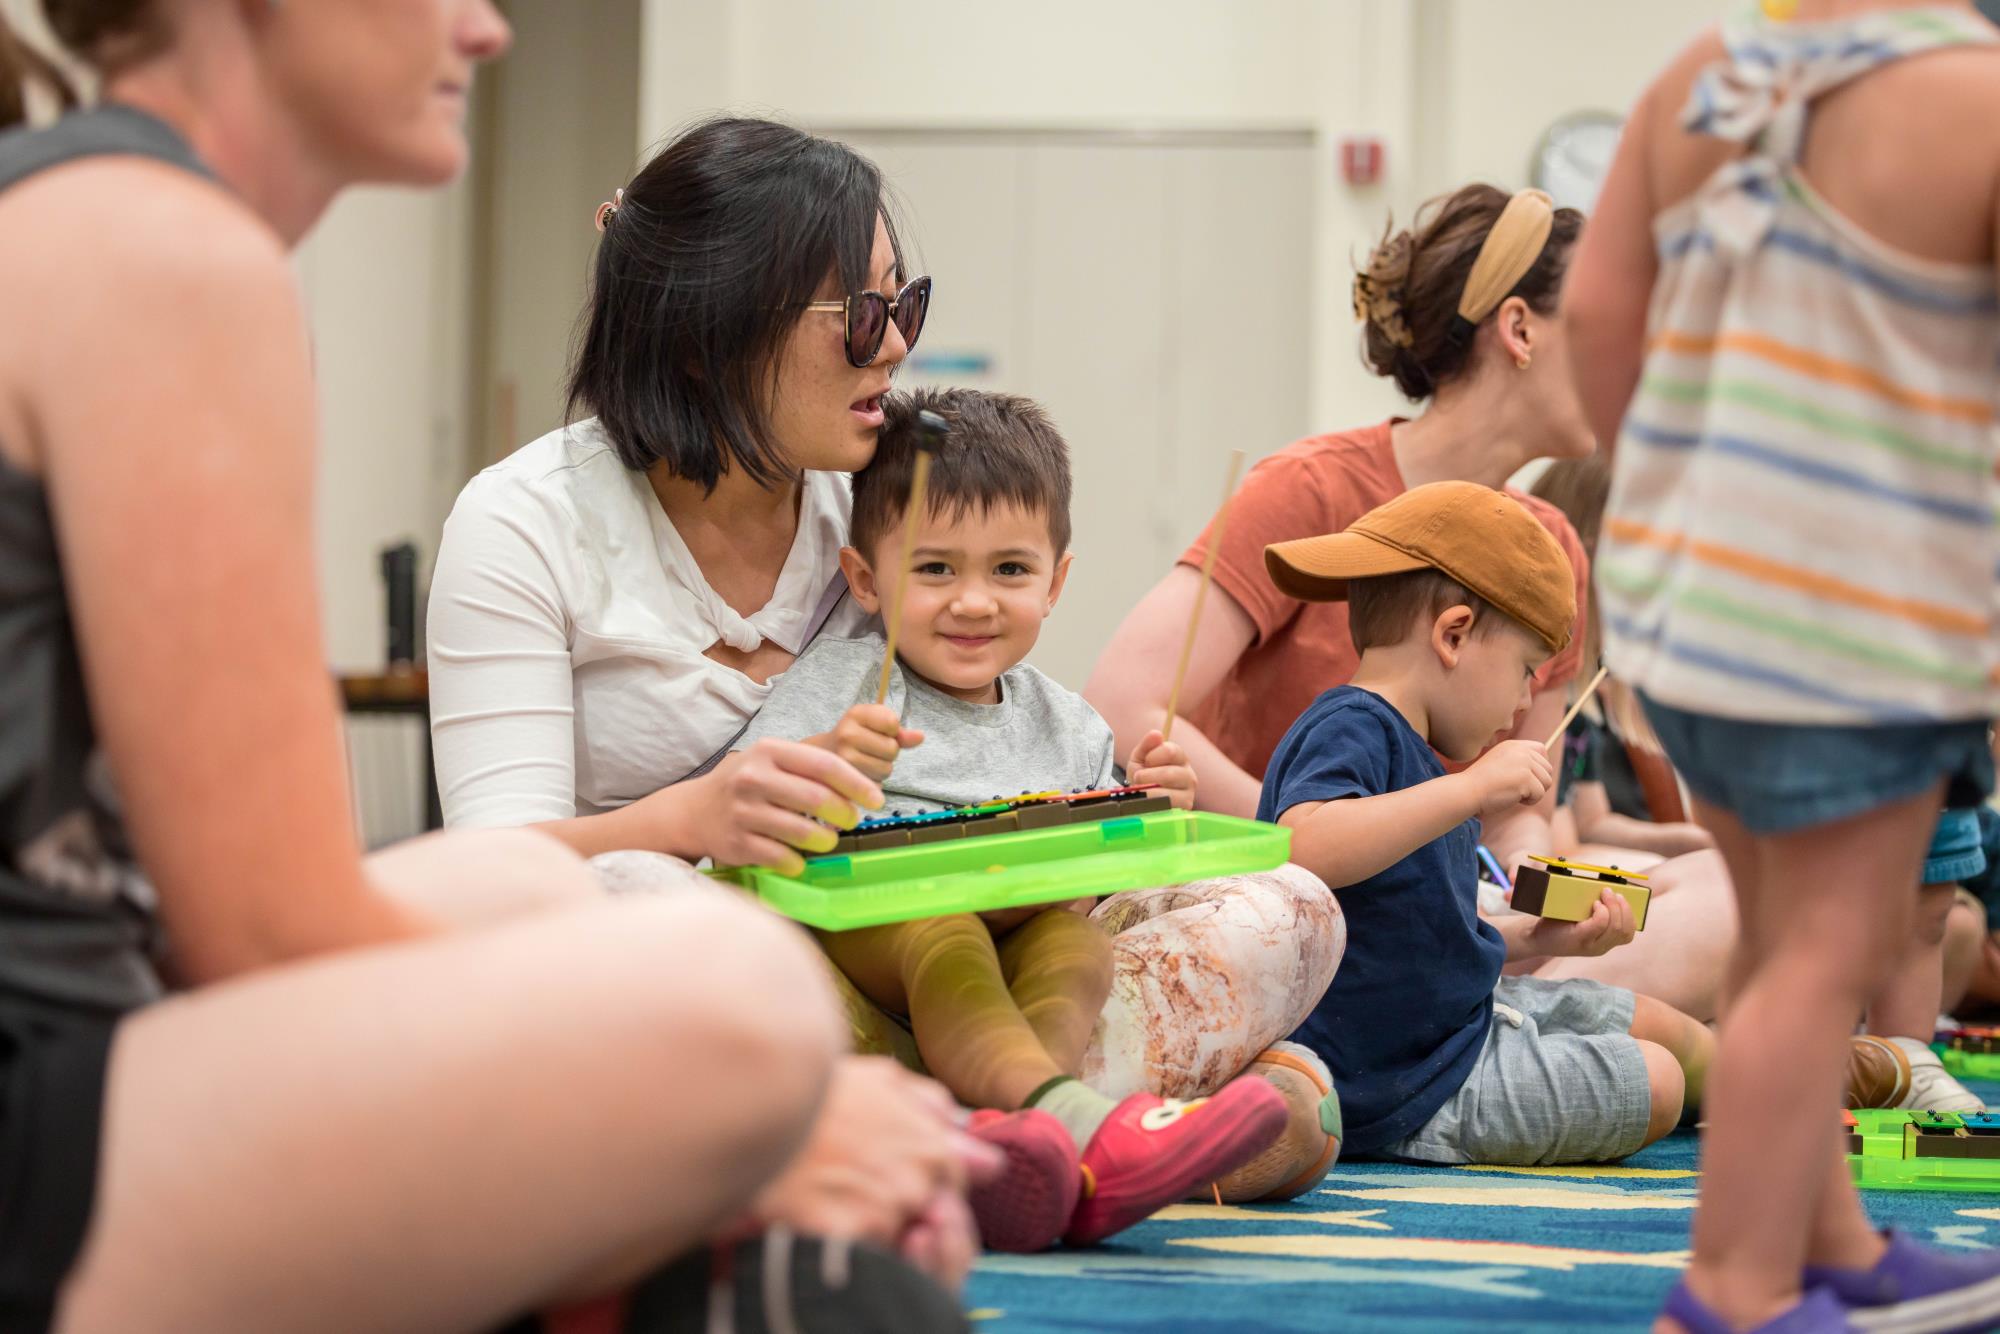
pixel 1457 595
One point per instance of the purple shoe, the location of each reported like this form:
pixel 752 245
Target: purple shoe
pixel 1916 1290
pixel 1818 1312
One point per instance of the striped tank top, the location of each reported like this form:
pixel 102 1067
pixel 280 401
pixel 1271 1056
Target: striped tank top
pixel 1802 524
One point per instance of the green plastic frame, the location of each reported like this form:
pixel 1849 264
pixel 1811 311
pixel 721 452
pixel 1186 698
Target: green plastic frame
pixel 1968 1064
pixel 1881 1165
pixel 997 871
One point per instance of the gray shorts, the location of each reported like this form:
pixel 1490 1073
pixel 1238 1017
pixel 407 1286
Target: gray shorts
pixel 1560 1080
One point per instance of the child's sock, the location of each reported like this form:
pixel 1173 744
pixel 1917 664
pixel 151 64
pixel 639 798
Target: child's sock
pixel 1081 1108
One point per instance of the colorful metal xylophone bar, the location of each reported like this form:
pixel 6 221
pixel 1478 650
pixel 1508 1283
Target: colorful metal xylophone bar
pixel 1002 815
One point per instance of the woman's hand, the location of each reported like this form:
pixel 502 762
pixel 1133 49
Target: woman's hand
pixel 762 806
pixel 886 1163
pixel 1158 762
pixel 870 737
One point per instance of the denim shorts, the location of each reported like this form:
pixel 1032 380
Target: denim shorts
pixel 1561 1079
pixel 1778 777
pixel 1958 847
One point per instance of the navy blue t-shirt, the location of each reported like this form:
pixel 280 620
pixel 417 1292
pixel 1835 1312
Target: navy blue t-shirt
pixel 1408 1010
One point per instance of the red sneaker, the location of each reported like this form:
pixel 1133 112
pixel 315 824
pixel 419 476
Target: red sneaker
pixel 1154 1151
pixel 1026 1207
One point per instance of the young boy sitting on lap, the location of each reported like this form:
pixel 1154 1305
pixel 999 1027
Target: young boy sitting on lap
pixel 1457 595
pixel 1001 1007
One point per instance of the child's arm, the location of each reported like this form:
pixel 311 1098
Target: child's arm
pixel 1596 822
pixel 1610 284
pixel 1349 839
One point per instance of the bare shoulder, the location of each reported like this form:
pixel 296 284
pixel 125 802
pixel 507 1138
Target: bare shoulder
pixel 1676 163
pixel 119 257
pixel 1925 127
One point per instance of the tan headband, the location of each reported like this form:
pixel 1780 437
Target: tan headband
pixel 1505 257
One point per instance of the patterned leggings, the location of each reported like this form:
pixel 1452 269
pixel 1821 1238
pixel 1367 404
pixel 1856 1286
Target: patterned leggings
pixel 995 1016
pixel 1204 976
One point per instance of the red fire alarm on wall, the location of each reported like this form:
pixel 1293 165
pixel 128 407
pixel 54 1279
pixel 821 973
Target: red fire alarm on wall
pixel 1361 160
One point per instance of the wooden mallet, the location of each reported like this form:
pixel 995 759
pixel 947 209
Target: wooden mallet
pixel 931 428
pixel 1201 593
pixel 1576 708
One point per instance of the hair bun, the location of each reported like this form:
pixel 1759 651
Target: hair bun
pixel 1378 289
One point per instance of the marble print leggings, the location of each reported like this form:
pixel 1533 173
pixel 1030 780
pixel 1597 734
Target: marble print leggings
pixel 1205 974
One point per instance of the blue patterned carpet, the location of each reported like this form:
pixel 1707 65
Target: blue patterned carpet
pixel 1406 1248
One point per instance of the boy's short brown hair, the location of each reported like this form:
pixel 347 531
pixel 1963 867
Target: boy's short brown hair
pixel 1383 610
pixel 1002 450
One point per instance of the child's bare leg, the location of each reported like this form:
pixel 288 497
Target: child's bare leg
pixel 1058 968
pixel 1824 903
pixel 1667 1086
pixel 1964 938
pixel 944 972
pixel 1691 1044
pixel 1907 1005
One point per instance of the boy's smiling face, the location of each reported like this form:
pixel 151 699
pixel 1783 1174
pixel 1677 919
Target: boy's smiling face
pixel 981 584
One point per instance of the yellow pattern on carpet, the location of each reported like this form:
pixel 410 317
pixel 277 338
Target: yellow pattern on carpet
pixel 1232 1213
pixel 1434 1248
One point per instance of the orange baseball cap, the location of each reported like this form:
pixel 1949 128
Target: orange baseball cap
pixel 1467 532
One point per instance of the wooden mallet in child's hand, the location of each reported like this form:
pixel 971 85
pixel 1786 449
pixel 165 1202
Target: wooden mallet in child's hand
pixel 1201 593
pixel 1576 708
pixel 931 428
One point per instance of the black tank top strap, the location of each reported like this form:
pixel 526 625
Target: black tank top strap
pixel 104 131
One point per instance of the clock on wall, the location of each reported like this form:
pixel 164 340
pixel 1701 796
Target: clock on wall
pixel 1572 156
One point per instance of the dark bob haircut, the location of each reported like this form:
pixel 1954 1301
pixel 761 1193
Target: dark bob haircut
pixel 701 273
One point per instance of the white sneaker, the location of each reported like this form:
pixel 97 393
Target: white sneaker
pixel 1931 1088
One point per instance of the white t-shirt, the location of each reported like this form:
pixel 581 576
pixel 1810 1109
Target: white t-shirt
pixel 566 629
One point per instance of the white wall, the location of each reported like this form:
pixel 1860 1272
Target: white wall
pixel 387 282
pixel 1495 95
pixel 1326 66
pixel 1456 89
pixel 561 123
pixel 423 304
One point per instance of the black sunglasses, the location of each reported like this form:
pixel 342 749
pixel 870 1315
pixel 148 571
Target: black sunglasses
pixel 867 316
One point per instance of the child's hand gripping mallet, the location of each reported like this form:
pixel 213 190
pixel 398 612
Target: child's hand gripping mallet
pixel 931 428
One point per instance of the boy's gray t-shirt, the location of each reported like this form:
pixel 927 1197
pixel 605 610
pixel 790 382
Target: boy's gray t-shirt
pixel 1039 737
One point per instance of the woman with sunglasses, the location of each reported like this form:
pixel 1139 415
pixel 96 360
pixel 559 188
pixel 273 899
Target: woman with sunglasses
pixel 612 601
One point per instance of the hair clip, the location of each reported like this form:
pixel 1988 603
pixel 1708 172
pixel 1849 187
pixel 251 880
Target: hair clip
pixel 609 209
pixel 1382 307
